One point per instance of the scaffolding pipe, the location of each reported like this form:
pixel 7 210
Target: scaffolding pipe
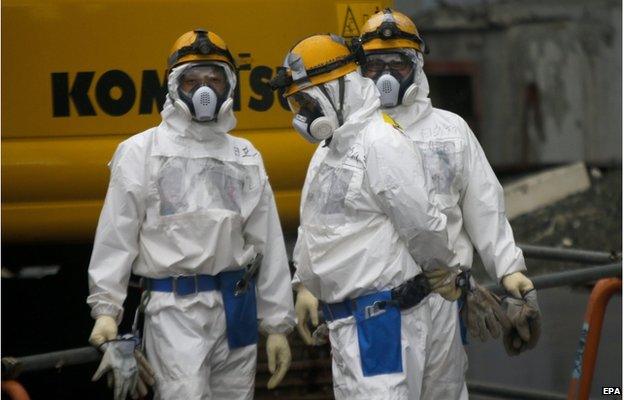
pixel 13 367
pixel 569 278
pixel 571 255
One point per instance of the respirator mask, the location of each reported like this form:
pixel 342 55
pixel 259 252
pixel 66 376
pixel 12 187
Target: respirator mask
pixel 394 73
pixel 315 115
pixel 204 91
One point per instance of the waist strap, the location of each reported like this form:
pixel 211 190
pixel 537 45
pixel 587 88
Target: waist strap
pixel 404 296
pixel 343 309
pixel 182 285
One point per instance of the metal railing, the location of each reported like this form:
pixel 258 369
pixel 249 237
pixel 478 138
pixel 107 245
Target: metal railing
pixel 570 278
pixel 571 255
pixel 12 367
pixel 587 351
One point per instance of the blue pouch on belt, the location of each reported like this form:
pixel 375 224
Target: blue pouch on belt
pixel 241 315
pixel 379 335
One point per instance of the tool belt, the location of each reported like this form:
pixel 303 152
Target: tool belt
pixel 192 284
pixel 238 291
pixel 378 321
pixel 407 295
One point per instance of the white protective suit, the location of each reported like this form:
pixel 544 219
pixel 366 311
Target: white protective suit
pixel 187 198
pixel 469 194
pixel 367 225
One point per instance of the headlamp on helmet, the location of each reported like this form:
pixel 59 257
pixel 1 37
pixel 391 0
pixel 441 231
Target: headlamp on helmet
pixel 391 29
pixel 199 45
pixel 281 80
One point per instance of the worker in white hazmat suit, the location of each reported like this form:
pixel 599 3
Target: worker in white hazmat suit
pixel 367 227
pixel 468 193
pixel 188 208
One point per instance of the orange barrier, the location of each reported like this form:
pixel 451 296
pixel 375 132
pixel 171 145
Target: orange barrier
pixel 15 390
pixel 587 351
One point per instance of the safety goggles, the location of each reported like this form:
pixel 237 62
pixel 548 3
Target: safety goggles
pixel 304 104
pixel 393 61
pixel 211 75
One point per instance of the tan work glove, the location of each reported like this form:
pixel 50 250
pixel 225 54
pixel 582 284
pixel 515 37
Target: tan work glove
pixel 306 307
pixel 279 357
pixel 443 282
pixel 526 321
pixel 523 311
pixel 105 329
pixel 482 313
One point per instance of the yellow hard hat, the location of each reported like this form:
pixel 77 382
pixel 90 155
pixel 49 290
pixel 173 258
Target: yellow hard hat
pixel 314 60
pixel 200 45
pixel 389 29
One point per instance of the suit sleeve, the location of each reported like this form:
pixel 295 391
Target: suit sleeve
pixel 395 172
pixel 485 221
pixel 116 241
pixel 275 301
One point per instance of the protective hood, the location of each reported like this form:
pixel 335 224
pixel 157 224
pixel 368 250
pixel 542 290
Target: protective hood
pixel 361 101
pixel 408 115
pixel 180 120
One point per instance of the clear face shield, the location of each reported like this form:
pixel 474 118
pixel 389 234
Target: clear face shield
pixel 393 72
pixel 206 90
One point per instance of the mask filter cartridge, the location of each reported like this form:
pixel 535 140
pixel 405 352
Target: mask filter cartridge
pixel 389 89
pixel 204 103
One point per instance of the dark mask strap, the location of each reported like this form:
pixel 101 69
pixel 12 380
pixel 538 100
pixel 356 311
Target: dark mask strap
pixel 341 95
pixel 341 90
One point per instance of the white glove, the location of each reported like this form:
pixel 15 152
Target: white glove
pixel 127 370
pixel 105 329
pixel 443 282
pixel 517 284
pixel 121 367
pixel 306 307
pixel 279 357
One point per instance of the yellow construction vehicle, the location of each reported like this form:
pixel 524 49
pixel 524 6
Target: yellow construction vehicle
pixel 78 77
